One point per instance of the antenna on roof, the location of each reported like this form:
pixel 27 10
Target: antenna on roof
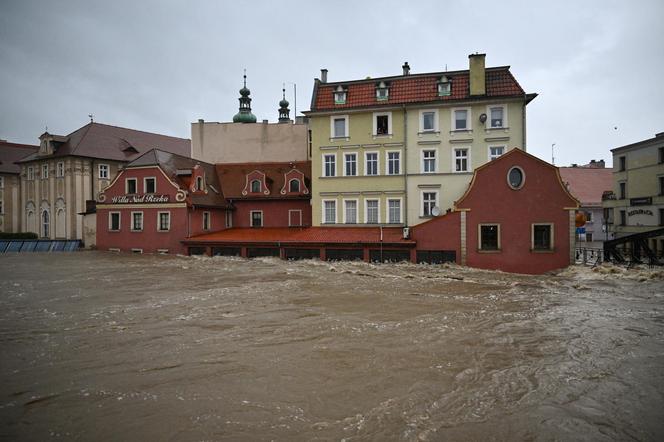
pixel 91 118
pixel 445 67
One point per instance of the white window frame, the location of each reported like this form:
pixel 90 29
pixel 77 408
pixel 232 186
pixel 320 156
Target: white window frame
pixel 346 156
pixel 251 218
pixel 488 113
pixel 333 135
pixel 469 166
pixel 145 184
pixel 251 186
pixel 324 171
pixel 387 210
pixel 324 219
pixel 60 169
pixel 200 183
pixel 290 187
pixel 366 163
pixel 366 210
pixel 389 124
pixel 552 244
pixel 133 225
pixel 159 229
pixel 207 220
pixel 469 119
pixel 491 157
pixel 357 214
pixel 105 167
pixel 44 171
pixel 387 162
pixel 479 237
pixel 435 121
pixel 342 93
pixel 435 203
pixel 30 173
pixel 110 221
pixel 422 160
pixel 127 185
pixel 289 217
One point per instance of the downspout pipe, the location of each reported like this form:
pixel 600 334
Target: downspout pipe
pixel 405 163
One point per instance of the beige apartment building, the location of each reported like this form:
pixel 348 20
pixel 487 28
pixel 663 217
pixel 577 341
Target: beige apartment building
pixel 637 202
pixel 400 150
pixel 10 184
pixel 60 181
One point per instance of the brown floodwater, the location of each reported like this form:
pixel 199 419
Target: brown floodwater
pixel 106 347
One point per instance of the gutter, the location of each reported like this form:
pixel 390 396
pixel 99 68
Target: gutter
pixel 405 163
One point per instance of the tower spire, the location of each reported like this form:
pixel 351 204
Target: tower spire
pixel 284 112
pixel 244 115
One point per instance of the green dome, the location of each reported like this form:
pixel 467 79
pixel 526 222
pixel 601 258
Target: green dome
pixel 283 103
pixel 245 91
pixel 247 117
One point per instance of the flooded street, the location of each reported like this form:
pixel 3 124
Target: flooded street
pixel 97 346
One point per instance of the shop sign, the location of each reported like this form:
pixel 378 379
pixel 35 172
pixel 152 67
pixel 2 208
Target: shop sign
pixel 140 199
pixel 643 201
pixel 640 212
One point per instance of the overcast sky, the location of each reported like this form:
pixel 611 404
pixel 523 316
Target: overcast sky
pixel 598 66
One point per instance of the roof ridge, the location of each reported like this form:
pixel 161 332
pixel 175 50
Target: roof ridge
pixel 137 130
pixel 421 74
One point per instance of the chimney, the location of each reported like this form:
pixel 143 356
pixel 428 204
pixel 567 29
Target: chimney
pixel 406 69
pixel 323 75
pixel 201 121
pixel 477 74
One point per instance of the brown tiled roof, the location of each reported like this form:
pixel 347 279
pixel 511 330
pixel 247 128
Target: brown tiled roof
pixel 587 184
pixel 233 178
pixel 419 88
pixel 11 152
pixel 314 235
pixel 96 140
pixel 170 163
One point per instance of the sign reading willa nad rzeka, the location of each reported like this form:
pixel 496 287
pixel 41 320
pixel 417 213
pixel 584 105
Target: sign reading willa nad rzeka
pixel 140 199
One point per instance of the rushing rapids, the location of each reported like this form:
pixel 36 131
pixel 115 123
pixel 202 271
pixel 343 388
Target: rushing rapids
pixel 96 346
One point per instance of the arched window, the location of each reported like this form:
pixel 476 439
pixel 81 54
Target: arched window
pixel 255 186
pixel 294 185
pixel 45 224
pixel 60 217
pixel 199 183
pixel 31 222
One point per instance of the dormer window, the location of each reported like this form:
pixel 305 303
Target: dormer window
pixel 340 95
pixel 382 91
pixel 255 186
pixel 199 183
pixel 294 185
pixel 444 86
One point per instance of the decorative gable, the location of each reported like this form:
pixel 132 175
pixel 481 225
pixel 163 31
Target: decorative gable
pixel 255 184
pixel 198 184
pixel 290 188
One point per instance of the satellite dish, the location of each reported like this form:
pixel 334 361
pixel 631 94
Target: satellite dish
pixel 435 211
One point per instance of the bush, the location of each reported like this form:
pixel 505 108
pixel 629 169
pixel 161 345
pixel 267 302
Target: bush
pixel 20 235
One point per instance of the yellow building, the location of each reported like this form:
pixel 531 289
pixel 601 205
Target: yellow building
pixel 399 150
pixel 637 202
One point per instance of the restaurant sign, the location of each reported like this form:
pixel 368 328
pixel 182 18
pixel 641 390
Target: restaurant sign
pixel 140 199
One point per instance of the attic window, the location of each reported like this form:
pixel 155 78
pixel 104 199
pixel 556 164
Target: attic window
pixel 294 185
pixel 444 86
pixel 382 91
pixel 255 186
pixel 340 95
pixel 199 183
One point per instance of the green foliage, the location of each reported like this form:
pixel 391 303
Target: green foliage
pixel 21 235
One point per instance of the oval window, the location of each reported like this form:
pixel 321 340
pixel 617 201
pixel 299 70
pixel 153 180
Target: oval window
pixel 515 178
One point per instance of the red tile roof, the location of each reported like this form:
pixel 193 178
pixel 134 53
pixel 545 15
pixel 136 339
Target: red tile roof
pixel 417 88
pixel 233 178
pixel 10 152
pixel 587 184
pixel 315 235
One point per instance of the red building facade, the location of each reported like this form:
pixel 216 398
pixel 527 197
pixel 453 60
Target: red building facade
pixel 268 194
pixel 516 216
pixel 156 202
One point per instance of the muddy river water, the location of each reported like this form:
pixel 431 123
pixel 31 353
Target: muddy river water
pixel 105 347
